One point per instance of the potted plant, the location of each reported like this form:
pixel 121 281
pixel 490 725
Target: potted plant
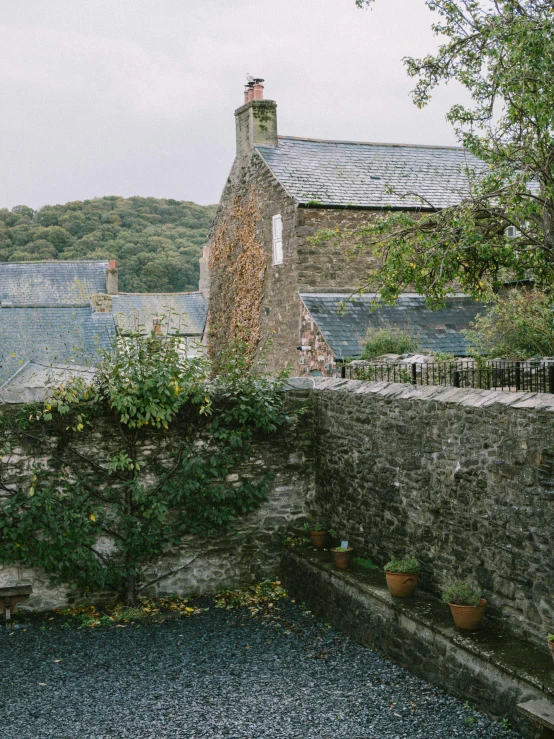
pixel 551 644
pixel 466 604
pixel 342 556
pixel 402 575
pixel 318 535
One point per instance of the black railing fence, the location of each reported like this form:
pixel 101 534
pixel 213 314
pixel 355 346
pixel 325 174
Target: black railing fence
pixel 530 376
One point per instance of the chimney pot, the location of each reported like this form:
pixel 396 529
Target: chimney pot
pixel 248 92
pixel 157 323
pixel 112 263
pixel 258 89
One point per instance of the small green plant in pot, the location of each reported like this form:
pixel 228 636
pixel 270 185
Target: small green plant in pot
pixel 318 534
pixel 466 604
pixel 551 644
pixel 342 556
pixel 402 575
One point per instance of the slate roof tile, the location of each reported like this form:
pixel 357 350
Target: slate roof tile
pixel 340 173
pixel 56 282
pixel 55 334
pixel 345 331
pixel 181 313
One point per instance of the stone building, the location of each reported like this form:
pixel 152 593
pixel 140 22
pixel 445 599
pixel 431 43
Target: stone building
pixel 299 186
pixel 60 313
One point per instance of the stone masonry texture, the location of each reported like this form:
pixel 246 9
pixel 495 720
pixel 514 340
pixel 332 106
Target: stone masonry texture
pixel 462 479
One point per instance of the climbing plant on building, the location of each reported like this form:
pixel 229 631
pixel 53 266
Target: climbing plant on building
pixel 503 227
pixel 238 264
pixel 99 506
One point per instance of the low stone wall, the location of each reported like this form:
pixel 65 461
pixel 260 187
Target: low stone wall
pixel 246 551
pixel 462 479
pixel 492 670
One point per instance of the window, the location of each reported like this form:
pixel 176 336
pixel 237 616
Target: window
pixel 277 240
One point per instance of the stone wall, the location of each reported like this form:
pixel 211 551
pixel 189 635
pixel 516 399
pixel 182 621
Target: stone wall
pixel 463 479
pixel 246 551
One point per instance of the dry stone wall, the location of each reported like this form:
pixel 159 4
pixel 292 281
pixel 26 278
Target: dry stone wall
pixel 462 479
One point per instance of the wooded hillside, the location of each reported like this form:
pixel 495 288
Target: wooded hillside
pixel 157 242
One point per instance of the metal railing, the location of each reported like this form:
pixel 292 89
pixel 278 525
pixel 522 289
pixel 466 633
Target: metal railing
pixel 505 375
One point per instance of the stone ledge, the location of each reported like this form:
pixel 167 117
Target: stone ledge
pixel 493 670
pixel 439 393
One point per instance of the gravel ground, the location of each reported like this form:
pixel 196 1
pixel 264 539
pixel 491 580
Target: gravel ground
pixel 217 674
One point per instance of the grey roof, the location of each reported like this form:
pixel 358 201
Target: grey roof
pixel 31 383
pixel 56 282
pixel 56 334
pixel 181 313
pixel 345 331
pixel 344 173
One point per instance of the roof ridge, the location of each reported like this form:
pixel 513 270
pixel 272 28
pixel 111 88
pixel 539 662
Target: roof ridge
pixel 370 143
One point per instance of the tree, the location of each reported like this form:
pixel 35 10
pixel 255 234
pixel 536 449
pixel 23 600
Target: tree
pixel 502 52
pixel 518 325
pixel 107 503
pixel 157 243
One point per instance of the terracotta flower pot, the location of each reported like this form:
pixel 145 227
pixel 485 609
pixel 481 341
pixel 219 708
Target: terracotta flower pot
pixel 551 645
pixel 468 618
pixel 318 539
pixel 342 559
pixel 401 584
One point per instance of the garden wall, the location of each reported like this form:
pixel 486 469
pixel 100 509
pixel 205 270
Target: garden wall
pixel 463 479
pixel 247 550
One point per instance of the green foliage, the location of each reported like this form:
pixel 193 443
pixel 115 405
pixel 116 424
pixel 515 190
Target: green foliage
pixel 341 549
pixel 501 53
pixel 519 325
pixel 388 341
pixel 550 637
pixel 314 526
pixel 407 565
pixel 139 504
pixel 156 242
pixel 366 563
pixel 462 593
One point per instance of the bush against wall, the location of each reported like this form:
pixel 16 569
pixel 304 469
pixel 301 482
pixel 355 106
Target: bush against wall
pixel 388 341
pixel 519 325
pixel 94 514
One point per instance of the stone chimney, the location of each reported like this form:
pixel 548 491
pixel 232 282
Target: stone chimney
pixel 111 279
pixel 256 120
pixel 204 282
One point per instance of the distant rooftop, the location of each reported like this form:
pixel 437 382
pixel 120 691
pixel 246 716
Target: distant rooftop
pixel 345 330
pixel 55 334
pixel 31 383
pixel 347 173
pixel 55 282
pixel 180 313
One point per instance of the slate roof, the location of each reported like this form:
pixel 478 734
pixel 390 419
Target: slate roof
pixel 55 334
pixel 345 173
pixel 181 313
pixel 56 282
pixel 345 332
pixel 31 382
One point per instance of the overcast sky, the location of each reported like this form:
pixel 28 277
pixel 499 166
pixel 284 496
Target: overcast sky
pixel 136 97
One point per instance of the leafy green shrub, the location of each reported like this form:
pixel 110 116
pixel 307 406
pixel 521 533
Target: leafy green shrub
pixel 462 593
pixel 366 563
pixel 388 341
pixel 406 565
pixel 519 325
pixel 144 388
pixel 551 637
pixel 315 526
